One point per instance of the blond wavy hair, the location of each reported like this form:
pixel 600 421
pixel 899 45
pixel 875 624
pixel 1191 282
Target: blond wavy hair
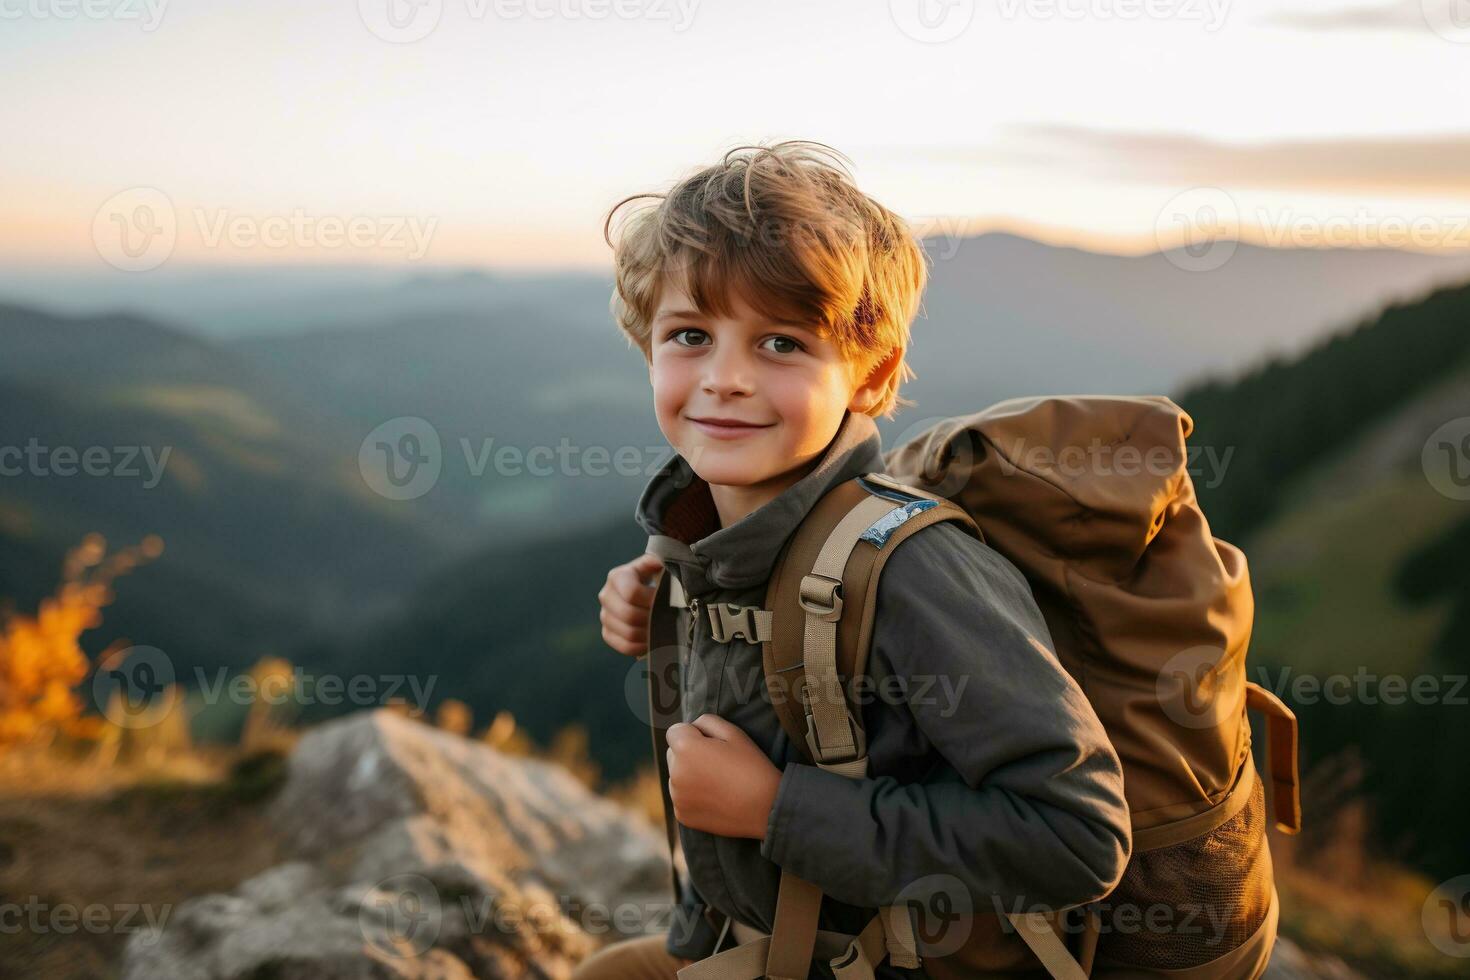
pixel 785 227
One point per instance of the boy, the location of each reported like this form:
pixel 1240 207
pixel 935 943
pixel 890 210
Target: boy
pixel 772 302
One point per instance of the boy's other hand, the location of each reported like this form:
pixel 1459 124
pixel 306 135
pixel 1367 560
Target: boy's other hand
pixel 626 599
pixel 719 780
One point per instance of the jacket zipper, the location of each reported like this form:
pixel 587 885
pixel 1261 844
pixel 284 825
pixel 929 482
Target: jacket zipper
pixel 693 617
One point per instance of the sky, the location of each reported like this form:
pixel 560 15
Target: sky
pixel 497 133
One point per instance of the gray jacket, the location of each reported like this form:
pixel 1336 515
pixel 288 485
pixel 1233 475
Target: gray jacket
pixel 988 765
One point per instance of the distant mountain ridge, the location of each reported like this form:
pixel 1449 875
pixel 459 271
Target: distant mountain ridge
pixel 268 531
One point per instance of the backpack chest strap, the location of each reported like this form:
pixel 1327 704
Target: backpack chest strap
pixel 727 620
pixel 750 623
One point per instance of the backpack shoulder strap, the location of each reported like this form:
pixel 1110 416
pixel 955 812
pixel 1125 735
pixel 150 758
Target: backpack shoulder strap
pixel 822 598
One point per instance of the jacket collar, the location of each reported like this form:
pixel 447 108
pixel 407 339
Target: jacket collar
pixel 677 503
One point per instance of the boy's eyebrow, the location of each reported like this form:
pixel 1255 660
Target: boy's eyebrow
pixel 671 314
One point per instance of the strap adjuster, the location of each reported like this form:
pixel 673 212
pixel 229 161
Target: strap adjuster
pixel 859 741
pixel 820 596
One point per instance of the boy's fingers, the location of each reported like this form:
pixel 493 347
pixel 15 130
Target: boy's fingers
pixel 629 650
pixel 623 611
pixel 678 732
pixel 625 600
pixel 617 631
pixel 629 584
pixel 622 631
pixel 716 727
pixel 648 565
pixel 621 627
pixel 621 593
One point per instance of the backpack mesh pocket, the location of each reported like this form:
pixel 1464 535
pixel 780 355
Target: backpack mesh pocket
pixel 1185 904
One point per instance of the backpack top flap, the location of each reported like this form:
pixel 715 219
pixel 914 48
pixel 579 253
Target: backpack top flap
pixel 1090 498
pixel 1086 477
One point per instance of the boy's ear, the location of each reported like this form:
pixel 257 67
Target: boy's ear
pixel 870 392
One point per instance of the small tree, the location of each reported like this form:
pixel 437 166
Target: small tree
pixel 41 658
pixel 272 713
pixel 454 716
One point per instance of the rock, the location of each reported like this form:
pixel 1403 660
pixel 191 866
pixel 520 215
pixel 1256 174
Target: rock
pixel 1290 962
pixel 416 853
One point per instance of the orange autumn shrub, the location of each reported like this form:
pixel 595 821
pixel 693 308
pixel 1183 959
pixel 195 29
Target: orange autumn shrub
pixel 41 658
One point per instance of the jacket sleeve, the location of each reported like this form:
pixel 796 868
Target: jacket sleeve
pixel 1037 816
pixel 690 933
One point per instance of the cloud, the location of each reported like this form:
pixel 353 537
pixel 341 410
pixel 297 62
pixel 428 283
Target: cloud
pixel 1404 15
pixel 1436 165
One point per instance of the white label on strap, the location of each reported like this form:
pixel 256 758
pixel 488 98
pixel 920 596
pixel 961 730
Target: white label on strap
pixel 880 529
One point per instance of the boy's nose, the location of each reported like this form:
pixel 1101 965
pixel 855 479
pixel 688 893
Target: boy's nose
pixel 727 373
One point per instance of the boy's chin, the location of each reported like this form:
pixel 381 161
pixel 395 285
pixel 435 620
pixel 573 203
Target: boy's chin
pixel 736 472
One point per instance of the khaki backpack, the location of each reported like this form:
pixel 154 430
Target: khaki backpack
pixel 1090 498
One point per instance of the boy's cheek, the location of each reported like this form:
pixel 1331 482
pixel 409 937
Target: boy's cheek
pixel 669 396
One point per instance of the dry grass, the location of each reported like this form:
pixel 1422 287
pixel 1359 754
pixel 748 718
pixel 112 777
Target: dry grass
pixel 1338 898
pixel 133 826
pixel 1373 924
pixel 641 796
pixel 90 852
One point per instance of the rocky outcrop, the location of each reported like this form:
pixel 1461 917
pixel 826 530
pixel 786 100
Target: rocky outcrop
pixel 1290 962
pixel 415 853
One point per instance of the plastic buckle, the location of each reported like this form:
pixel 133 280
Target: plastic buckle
pixel 820 587
pixel 728 620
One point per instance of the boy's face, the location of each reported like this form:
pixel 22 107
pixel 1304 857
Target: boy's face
pixel 791 385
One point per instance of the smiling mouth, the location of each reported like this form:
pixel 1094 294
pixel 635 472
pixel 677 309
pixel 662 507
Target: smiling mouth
pixel 725 431
pixel 731 425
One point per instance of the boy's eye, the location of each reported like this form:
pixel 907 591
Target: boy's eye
pixel 779 338
pixel 673 336
pixel 795 345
